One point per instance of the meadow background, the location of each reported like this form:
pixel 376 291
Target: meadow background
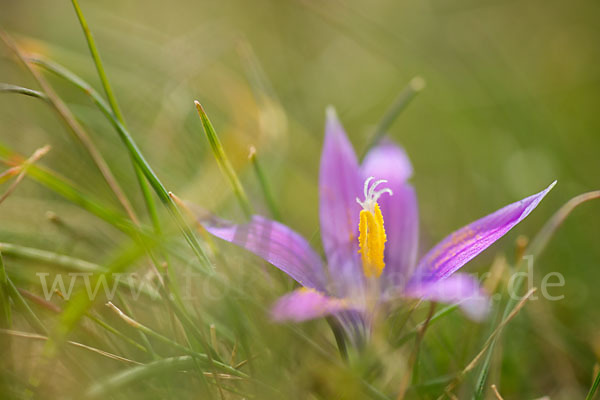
pixel 510 104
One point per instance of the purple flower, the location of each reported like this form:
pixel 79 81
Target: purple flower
pixel 369 227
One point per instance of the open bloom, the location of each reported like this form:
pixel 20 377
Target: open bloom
pixel 369 228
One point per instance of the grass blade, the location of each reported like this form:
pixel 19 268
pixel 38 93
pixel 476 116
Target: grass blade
pixel 131 375
pixel 8 88
pixel 594 387
pixel 66 262
pixel 150 332
pixel 80 303
pixel 112 101
pixel 223 161
pixel 22 305
pixel 35 336
pixel 74 127
pixel 70 192
pixel 22 170
pixel 402 101
pixel 264 184
pixel 5 320
pixel 140 160
pixel 538 244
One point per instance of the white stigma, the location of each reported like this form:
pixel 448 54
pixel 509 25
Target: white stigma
pixel 372 195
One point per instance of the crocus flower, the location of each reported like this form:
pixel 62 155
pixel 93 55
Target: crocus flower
pixel 369 228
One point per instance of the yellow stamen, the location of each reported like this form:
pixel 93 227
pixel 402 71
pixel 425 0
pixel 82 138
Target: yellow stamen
pixel 372 233
pixel 372 241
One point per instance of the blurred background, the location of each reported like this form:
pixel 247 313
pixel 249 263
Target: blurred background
pixel 510 104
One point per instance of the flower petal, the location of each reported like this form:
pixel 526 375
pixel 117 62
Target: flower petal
pixel 277 244
pixel 304 304
pixel 356 324
pixel 461 289
pixel 388 161
pixel 400 212
pixel 339 186
pixel 460 247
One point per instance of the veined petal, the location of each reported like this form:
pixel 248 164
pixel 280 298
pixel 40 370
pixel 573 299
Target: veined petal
pixel 356 324
pixel 461 289
pixel 460 247
pixel 275 243
pixel 339 186
pixel 304 304
pixel 400 212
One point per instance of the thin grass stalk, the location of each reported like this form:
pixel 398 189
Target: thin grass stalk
pixel 264 184
pixel 594 387
pixel 112 100
pixel 138 373
pixel 416 85
pixel 5 319
pixel 116 332
pixel 125 136
pixel 496 392
pixel 69 191
pixel 74 127
pixel 147 344
pixel 34 321
pixel 489 343
pixel 413 361
pixel 21 170
pixel 64 261
pixel 438 315
pixel 114 105
pixel 116 113
pixel 150 332
pixel 30 316
pixel 8 88
pixel 223 161
pixel 80 303
pixel 35 336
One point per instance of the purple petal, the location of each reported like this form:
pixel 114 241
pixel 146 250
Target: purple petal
pixel 390 161
pixel 460 247
pixel 458 289
pixel 339 186
pixel 304 304
pixel 400 212
pixel 277 244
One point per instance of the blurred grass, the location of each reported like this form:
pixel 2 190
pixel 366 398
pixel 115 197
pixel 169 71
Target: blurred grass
pixel 510 105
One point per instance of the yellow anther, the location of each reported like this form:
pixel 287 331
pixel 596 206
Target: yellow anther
pixel 372 241
pixel 372 236
pixel 372 233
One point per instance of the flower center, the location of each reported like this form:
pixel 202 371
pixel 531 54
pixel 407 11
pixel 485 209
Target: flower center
pixel 372 236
